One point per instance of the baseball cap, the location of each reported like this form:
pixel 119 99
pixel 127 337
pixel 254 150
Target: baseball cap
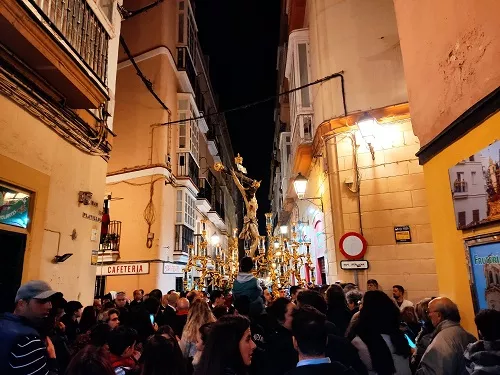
pixel 35 289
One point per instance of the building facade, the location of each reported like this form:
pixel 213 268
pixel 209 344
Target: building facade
pixel 57 87
pixel 161 178
pixel 454 115
pixel 351 137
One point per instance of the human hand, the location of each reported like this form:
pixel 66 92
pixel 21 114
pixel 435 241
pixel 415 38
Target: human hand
pixel 51 351
pixel 155 327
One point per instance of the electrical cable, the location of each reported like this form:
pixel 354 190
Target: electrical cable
pixel 257 102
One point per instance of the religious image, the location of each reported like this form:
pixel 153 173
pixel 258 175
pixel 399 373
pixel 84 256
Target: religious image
pixel 485 261
pixel 475 188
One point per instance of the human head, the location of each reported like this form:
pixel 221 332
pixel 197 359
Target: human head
pixel 73 309
pixel 33 300
pixel 172 299
pixel 229 346
pixel 421 309
pixel 191 296
pixel 312 298
pixel 353 298
pixel 152 305
pixel 372 284
pixel 121 341
pixel 322 289
pixel 182 305
pixel 408 315
pixel 90 360
pixel 217 298
pixel 121 300
pixel 282 292
pixel 156 293
pixel 246 264
pixel 282 310
pixel 160 350
pixel 138 295
pixel 89 319
pixel 219 311
pixel 309 333
pixel 441 309
pixel 99 334
pixel 335 297
pixel 199 314
pixel 398 292
pixel 267 294
pixel 110 317
pixel 488 324
pixel 97 303
pixel 203 336
pixel 349 286
pixel 294 290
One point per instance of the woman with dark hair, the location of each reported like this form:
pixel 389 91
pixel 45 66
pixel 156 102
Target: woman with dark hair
pixel 381 345
pixel 161 349
pixel 409 323
pixel 200 344
pixel 229 348
pixel 90 360
pixel 338 312
pixel 88 319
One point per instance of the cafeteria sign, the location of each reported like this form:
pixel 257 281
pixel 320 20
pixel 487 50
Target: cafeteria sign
pixel 119 269
pixel 402 234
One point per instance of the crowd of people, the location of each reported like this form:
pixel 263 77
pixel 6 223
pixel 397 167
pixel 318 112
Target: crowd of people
pixel 335 329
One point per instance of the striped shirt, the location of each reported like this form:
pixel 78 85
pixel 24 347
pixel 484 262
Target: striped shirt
pixel 29 357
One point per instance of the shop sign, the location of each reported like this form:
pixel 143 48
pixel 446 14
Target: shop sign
pixel 354 264
pixel 172 268
pixel 14 207
pixel 402 233
pixel 119 269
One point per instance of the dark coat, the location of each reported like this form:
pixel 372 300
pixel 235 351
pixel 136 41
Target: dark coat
pixel 340 350
pixel 333 368
pixel 280 356
pixel 341 317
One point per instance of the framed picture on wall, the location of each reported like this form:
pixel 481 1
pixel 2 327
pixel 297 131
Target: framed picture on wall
pixel 483 257
pixel 475 188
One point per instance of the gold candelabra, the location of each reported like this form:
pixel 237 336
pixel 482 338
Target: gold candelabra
pixel 220 268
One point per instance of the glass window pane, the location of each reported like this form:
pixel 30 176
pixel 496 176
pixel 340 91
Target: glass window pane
pixel 304 75
pixel 14 207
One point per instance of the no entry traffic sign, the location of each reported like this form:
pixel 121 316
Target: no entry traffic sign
pixel 353 245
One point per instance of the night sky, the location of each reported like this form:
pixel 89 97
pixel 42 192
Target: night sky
pixel 241 39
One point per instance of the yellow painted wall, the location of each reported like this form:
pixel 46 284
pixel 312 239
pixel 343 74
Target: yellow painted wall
pixel 453 277
pixel 36 158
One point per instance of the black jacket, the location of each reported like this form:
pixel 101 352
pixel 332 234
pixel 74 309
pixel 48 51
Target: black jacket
pixel 340 350
pixel 341 317
pixel 280 356
pixel 333 368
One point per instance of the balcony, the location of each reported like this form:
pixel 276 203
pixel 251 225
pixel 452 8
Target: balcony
pixel 187 169
pixel 186 67
pixel 301 140
pixel 460 189
pixel 183 238
pixel 64 42
pixel 204 196
pixel 109 246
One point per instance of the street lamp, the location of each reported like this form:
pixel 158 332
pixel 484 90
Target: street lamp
pixel 283 229
pixel 300 185
pixel 215 239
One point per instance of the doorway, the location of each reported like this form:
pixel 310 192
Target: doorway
pixel 13 246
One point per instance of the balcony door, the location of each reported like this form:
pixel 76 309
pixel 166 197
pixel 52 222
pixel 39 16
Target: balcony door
pixel 11 267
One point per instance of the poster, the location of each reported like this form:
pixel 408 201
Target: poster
pixel 485 264
pixel 14 207
pixel 475 188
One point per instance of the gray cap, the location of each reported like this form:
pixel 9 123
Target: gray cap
pixel 36 289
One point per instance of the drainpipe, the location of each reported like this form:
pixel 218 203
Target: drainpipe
pixel 335 196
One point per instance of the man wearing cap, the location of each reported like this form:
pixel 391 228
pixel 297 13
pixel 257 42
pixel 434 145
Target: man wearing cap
pixel 22 351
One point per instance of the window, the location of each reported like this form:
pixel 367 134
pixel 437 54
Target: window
pixel 473 177
pixel 184 237
pixel 460 176
pixel 179 284
pixel 461 219
pixel 185 208
pixel 14 207
pixel 182 131
pixel 186 27
pixel 189 133
pixel 475 216
pixel 304 74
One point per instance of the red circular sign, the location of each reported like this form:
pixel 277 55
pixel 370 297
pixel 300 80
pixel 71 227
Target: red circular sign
pixel 353 245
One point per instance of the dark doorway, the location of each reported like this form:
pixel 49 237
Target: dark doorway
pixel 100 286
pixel 322 270
pixel 13 246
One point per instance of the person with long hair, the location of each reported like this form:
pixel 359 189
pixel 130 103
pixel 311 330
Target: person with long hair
pixel 228 349
pixel 88 319
pixel 200 344
pixel 90 360
pixel 160 350
pixel 338 312
pixel 424 336
pixel 199 314
pixel 381 345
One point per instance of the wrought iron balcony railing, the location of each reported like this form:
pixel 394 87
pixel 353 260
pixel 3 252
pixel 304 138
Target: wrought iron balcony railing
pixel 187 167
pixel 78 25
pixel 205 189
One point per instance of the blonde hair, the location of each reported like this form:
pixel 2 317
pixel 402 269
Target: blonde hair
pixel 199 314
